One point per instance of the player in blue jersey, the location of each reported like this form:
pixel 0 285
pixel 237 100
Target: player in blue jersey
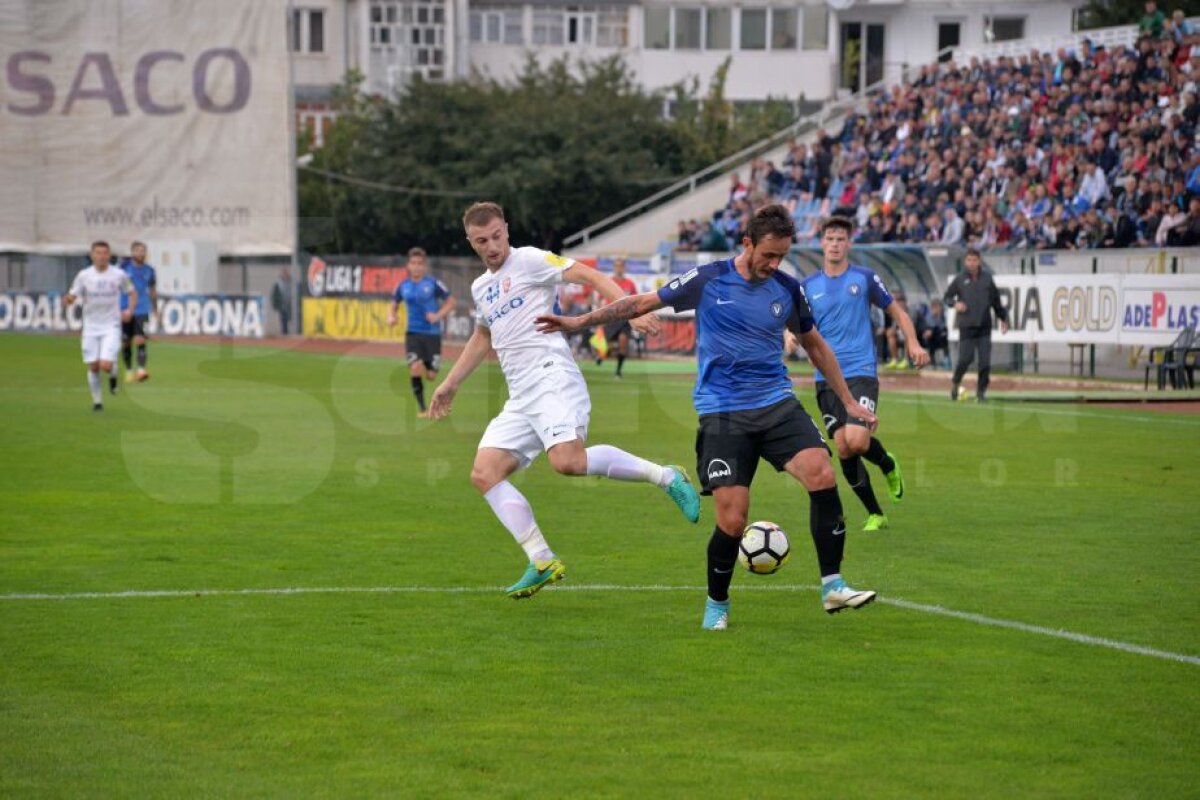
pixel 133 331
pixel 841 296
pixel 429 302
pixel 745 400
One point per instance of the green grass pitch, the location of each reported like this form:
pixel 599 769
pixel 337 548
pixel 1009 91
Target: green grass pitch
pixel 241 468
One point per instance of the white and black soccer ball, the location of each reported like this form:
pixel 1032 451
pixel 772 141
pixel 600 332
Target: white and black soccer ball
pixel 764 548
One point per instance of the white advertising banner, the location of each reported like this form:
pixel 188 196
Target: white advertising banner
pixel 1122 309
pixel 138 119
pixel 234 315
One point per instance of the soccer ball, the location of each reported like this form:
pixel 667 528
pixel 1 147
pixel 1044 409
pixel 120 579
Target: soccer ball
pixel 764 548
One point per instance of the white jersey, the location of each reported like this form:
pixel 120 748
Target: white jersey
pixel 100 293
pixel 507 301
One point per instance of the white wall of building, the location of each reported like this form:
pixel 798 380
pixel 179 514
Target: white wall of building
pixel 754 74
pixel 910 37
pixel 326 67
pixel 911 32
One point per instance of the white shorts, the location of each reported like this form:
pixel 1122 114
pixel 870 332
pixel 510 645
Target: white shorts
pixel 529 425
pixel 101 346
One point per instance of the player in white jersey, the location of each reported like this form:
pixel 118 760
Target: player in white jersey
pixel 548 406
pixel 100 287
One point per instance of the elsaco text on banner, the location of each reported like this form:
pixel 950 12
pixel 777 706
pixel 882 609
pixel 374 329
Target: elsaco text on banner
pixel 130 120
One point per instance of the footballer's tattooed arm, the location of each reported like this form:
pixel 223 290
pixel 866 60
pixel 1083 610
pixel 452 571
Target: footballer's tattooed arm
pixel 626 308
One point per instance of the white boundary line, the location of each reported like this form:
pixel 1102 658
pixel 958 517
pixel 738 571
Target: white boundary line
pixel 1033 409
pixel 978 619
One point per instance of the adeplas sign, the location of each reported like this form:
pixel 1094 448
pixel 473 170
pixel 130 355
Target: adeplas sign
pixel 126 119
pixel 1159 307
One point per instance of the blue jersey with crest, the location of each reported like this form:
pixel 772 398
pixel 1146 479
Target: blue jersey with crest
pixel 422 297
pixel 143 278
pixel 842 308
pixel 739 334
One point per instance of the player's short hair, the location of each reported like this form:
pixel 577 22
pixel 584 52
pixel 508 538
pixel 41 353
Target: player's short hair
pixel 839 223
pixel 136 244
pixel 416 252
pixel 99 243
pixel 772 220
pixel 480 214
pixel 973 251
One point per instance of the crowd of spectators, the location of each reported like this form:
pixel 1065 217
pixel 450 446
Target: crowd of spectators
pixel 1083 148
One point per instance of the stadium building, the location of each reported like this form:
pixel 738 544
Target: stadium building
pixel 801 51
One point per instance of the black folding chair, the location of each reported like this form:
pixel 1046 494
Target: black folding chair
pixel 1176 362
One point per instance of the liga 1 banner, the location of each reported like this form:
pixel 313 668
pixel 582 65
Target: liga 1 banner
pixel 179 315
pixel 1121 309
pixel 127 119
pixel 350 300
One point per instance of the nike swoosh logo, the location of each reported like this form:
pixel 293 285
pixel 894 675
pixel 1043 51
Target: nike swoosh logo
pixel 723 571
pixel 839 531
pixel 818 296
pixel 723 302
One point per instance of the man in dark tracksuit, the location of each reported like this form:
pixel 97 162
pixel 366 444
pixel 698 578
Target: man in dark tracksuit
pixel 973 294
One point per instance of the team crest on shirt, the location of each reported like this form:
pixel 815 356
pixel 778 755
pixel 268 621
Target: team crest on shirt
pixel 506 285
pixel 854 288
pixel 777 308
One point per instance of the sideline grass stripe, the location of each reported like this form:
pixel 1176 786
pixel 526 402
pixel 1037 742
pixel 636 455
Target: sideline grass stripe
pixel 978 619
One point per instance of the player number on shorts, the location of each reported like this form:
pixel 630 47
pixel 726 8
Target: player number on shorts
pixel 867 403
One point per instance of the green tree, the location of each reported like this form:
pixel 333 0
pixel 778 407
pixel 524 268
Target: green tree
pixel 1107 13
pixel 557 147
pixel 712 127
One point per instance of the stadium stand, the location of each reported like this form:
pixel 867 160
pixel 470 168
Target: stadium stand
pixel 1091 146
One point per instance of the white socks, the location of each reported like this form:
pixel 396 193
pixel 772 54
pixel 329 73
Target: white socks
pixel 612 462
pixel 94 385
pixel 513 510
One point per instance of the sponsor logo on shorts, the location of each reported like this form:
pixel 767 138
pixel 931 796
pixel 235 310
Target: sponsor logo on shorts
pixel 830 421
pixel 717 468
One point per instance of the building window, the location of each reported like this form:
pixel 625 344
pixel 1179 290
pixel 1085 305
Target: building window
pixel 718 28
pixel 548 25
pixel 308 30
pixel 410 35
pixel 783 28
pixel 687 29
pixel 581 26
pixel 754 29
pixel 816 27
pixel 514 26
pixel 315 121
pixel 495 25
pixel 1004 29
pixel 658 28
pixel 612 26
